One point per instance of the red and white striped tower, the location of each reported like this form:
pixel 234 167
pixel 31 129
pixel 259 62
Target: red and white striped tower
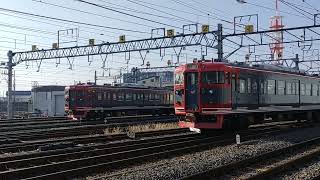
pixel 277 40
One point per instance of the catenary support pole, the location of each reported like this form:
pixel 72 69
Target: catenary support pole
pixel 220 43
pixel 9 100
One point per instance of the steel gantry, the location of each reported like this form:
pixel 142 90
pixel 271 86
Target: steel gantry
pixel 209 39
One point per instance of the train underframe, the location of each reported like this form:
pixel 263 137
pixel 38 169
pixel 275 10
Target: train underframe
pixel 240 121
pixel 101 114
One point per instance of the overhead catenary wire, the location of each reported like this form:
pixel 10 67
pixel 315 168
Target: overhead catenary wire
pixel 127 9
pixel 158 10
pixel 91 13
pixel 71 21
pixel 127 14
pixel 298 9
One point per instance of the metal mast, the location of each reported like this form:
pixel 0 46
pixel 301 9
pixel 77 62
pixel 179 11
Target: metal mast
pixel 277 46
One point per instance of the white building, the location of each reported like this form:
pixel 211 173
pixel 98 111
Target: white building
pixel 49 100
pixel 155 81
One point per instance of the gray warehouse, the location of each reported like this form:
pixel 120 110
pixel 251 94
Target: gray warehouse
pixel 49 100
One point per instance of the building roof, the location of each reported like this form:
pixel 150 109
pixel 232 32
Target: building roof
pixel 20 93
pixel 48 88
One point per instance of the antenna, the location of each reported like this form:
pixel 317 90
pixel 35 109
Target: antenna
pixel 276 46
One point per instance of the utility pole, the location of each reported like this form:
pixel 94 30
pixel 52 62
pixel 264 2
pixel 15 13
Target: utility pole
pixel 14 89
pixel 10 67
pixel 220 43
pixel 95 78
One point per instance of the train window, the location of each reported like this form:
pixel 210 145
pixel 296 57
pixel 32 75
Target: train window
pixel 192 78
pixel 99 96
pixel 281 87
pixel 261 87
pixel 134 97
pixel 109 96
pixel 242 86
pixel 128 97
pixel 120 96
pixel 318 93
pixel 314 90
pixel 289 88
pixel 254 86
pixel 295 88
pixel 308 89
pixel 303 89
pixel 114 96
pixel 249 85
pixel 105 95
pixel 265 84
pixel 156 97
pixel 178 79
pixel 171 98
pixel 213 77
pixel 228 77
pixel 271 87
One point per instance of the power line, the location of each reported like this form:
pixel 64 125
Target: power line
pixel 124 8
pixel 310 6
pixel 298 9
pixel 87 12
pixel 272 9
pixel 71 21
pixel 155 9
pixel 208 12
pixel 127 14
pixel 170 8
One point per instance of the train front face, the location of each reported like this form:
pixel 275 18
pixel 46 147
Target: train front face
pixel 202 95
pixel 78 101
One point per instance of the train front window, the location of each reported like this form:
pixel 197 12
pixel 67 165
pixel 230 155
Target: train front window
pixel 179 96
pixel 215 77
pixel 192 78
pixel 179 78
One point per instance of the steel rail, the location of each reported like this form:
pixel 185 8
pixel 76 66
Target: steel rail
pixel 283 167
pixel 34 145
pixel 248 163
pixel 98 163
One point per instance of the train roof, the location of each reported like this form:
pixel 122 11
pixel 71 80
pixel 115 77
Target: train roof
pixel 265 67
pixel 119 86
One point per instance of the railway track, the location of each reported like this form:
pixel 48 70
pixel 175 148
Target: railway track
pixel 33 119
pixel 29 133
pixel 117 155
pixel 9 127
pixel 76 140
pixel 265 166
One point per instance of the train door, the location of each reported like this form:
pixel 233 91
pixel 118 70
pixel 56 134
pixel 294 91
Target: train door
pixel 191 90
pixel 234 90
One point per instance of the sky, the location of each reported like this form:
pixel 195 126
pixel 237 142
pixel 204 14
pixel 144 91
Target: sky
pixel 19 32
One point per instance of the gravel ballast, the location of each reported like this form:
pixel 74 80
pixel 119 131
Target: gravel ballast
pixel 181 166
pixel 309 170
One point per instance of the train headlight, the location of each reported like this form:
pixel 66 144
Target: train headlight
pixel 211 91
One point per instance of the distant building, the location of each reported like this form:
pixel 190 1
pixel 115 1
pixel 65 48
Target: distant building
pixel 49 100
pixel 156 79
pixel 21 96
pixel 21 101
